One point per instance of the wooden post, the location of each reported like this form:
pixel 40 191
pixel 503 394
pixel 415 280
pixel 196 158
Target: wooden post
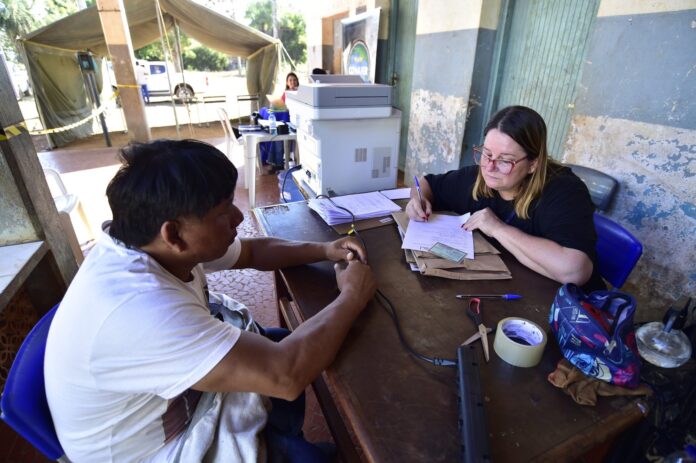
pixel 112 15
pixel 27 210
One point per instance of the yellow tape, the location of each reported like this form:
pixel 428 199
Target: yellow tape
pixel 17 129
pixel 519 342
pixel 12 131
pixel 127 86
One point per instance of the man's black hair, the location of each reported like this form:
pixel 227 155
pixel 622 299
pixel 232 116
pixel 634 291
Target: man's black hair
pixel 165 180
pixel 318 71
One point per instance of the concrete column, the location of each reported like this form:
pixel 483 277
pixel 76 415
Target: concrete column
pixel 112 15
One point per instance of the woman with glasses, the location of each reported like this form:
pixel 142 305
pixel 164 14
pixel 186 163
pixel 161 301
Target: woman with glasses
pixel 534 207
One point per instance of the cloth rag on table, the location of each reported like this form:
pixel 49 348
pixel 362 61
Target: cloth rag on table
pixel 584 390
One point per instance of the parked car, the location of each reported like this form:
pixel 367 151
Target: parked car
pixel 184 86
pixel 20 80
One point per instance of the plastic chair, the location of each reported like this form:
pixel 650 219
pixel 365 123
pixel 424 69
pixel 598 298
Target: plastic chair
pixel 230 134
pixel 618 250
pixel 65 202
pixel 602 186
pixel 24 405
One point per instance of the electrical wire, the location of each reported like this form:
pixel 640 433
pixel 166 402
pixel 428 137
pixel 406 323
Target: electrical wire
pixel 388 306
pixel 285 178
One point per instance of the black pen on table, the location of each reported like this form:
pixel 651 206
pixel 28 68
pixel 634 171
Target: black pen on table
pixel 507 297
pixel 420 196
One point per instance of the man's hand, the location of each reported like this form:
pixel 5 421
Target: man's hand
pixel 345 249
pixel 356 280
pixel 415 211
pixel 484 220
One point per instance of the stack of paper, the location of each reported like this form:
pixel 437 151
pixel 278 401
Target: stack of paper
pixel 362 205
pixel 445 229
pixel 486 265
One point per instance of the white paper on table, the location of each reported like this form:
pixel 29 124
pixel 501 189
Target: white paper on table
pixel 362 205
pixel 445 229
pixel 397 193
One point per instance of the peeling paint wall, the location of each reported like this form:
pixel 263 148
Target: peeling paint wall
pixel 635 119
pixel 443 66
pixel 15 223
pixel 435 132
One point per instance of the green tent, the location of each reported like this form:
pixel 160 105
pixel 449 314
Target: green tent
pixel 51 54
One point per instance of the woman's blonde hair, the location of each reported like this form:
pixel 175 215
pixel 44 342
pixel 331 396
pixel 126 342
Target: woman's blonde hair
pixel 528 129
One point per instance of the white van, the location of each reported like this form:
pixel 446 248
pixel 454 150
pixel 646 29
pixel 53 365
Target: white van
pixel 184 86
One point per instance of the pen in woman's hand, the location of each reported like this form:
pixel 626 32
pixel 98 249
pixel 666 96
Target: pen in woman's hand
pixel 420 197
pixel 507 297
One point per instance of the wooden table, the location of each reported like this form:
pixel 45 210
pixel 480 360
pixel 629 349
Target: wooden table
pixel 384 405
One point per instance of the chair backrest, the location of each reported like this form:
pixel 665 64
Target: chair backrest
pixel 617 250
pixel 24 405
pixel 65 202
pixel 225 122
pixel 602 186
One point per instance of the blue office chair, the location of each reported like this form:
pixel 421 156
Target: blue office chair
pixel 602 187
pixel 23 405
pixel 617 250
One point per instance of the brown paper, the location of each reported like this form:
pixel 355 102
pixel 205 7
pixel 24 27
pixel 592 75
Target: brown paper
pixel 487 264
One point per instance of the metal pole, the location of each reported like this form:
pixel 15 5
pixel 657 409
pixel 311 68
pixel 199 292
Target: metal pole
pixel 92 85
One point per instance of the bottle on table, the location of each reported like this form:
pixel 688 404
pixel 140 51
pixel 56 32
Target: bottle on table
pixel 272 124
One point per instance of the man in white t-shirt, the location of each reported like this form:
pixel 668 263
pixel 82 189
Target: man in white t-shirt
pixel 133 344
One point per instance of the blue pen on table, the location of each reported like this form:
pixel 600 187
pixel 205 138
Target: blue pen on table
pixel 420 195
pixel 507 297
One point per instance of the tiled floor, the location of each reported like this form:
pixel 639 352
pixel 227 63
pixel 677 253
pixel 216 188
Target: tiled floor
pixel 86 162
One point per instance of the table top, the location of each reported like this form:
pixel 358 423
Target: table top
pixel 262 135
pixel 402 409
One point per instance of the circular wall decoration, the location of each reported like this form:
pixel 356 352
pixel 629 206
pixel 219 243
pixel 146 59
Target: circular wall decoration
pixel 359 60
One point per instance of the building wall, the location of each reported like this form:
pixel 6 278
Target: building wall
pixel 448 82
pixel 635 119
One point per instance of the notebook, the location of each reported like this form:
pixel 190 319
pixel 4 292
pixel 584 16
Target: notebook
pixel 362 205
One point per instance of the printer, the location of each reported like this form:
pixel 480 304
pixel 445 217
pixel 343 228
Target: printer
pixel 347 134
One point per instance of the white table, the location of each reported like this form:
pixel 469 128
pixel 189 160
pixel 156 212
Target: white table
pixel 251 146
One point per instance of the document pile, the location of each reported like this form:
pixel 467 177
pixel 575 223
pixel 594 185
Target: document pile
pixel 482 261
pixel 362 205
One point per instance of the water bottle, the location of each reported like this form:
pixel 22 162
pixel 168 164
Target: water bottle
pixel 272 126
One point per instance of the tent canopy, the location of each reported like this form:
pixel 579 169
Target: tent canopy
pixel 51 53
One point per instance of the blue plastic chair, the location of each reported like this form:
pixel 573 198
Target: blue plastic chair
pixel 23 404
pixel 617 250
pixel 602 187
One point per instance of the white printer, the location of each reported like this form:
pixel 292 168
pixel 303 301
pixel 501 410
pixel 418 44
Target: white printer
pixel 347 134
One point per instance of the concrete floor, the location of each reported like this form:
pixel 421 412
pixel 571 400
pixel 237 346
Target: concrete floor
pixel 86 168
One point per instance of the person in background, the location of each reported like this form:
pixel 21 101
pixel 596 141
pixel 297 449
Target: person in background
pixel 142 76
pixel 537 209
pixel 138 365
pixel 291 83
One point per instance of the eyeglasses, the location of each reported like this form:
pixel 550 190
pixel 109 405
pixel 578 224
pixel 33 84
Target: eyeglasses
pixel 483 158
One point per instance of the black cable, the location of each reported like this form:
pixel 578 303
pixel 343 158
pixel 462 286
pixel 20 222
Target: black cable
pixel 391 310
pixel 388 306
pixel 285 177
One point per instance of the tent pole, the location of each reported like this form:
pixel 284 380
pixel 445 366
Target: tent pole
pixel 163 31
pixel 114 23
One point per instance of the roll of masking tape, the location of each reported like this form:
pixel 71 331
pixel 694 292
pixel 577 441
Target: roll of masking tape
pixel 519 342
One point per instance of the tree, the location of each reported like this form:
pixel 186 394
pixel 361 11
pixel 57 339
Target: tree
pixel 204 59
pixel 292 28
pixel 19 17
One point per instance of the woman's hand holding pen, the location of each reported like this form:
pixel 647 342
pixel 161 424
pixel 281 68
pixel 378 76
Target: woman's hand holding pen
pixel 415 209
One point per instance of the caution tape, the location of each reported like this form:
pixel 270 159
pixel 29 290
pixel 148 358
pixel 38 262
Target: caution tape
pixel 12 131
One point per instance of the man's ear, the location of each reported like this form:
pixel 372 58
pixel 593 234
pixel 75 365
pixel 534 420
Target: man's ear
pixel 170 233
